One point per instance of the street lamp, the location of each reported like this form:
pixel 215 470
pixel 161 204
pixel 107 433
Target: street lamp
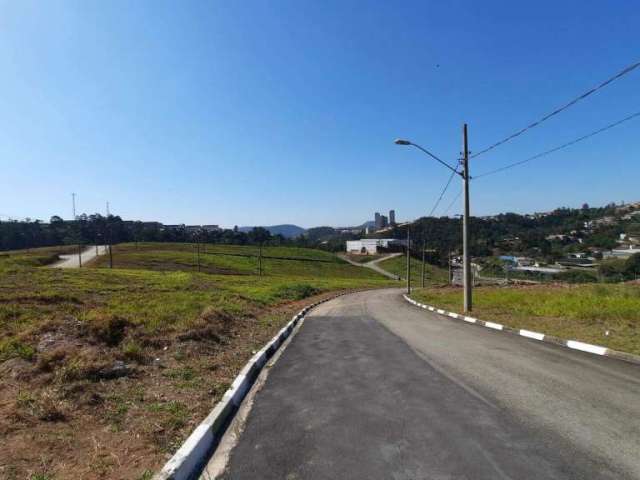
pixel 465 221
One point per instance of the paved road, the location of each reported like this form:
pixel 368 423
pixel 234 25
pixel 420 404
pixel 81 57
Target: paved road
pixel 72 261
pixel 374 388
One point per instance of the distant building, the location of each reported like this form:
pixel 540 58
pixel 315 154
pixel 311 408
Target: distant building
pixel 382 221
pixel 371 246
pixel 210 228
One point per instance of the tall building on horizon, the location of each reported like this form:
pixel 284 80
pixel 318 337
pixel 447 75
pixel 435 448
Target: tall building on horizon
pixel 392 217
pixel 378 221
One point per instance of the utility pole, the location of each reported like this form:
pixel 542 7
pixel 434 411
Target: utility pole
pixel 424 246
pixel 79 255
pixel 108 213
pixel 408 259
pixel 73 204
pixel 109 239
pixel 198 245
pixel 450 271
pixel 466 260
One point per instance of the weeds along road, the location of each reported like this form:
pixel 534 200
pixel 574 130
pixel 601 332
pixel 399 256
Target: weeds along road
pixel 72 261
pixel 372 387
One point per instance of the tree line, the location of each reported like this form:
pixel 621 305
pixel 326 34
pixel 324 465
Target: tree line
pixel 98 229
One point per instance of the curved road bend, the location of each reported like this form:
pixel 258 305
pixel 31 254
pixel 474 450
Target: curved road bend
pixel 373 388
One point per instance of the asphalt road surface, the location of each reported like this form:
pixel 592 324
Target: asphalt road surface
pixel 374 388
pixel 72 261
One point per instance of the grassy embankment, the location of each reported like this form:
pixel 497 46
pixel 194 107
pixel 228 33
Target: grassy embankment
pixel 363 258
pixel 134 357
pixel 398 266
pixel 604 314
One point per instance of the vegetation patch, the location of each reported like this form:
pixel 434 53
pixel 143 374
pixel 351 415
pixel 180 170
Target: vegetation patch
pixel 434 275
pixel 603 314
pixel 104 372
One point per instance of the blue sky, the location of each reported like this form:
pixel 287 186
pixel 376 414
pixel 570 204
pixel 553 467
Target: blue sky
pixel 265 112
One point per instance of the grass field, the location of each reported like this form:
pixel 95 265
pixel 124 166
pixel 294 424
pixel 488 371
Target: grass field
pixel 135 357
pixel 604 314
pixel 363 258
pixel 398 266
pixel 233 260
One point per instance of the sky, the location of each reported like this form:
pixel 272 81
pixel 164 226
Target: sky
pixel 285 111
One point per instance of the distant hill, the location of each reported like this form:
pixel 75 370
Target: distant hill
pixel 369 223
pixel 286 230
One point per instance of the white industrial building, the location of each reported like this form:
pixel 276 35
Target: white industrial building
pixel 371 246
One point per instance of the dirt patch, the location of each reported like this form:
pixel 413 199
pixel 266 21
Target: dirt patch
pixel 104 400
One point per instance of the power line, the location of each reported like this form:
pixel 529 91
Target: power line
pixel 565 145
pixel 452 202
pixel 560 109
pixel 443 192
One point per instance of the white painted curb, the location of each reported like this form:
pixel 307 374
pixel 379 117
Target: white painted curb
pixel 573 344
pixel 187 463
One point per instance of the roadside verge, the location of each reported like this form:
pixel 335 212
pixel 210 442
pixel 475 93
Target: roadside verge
pixel 188 462
pixel 542 337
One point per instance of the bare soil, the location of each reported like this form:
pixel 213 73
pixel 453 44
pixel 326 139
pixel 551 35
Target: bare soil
pixel 109 401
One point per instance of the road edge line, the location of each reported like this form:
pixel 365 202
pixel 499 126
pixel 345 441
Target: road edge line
pixel 194 453
pixel 542 337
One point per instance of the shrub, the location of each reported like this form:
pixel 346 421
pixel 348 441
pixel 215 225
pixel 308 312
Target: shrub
pixel 297 291
pixel 577 276
pixel 612 269
pixel 132 350
pixel 632 266
pixel 15 348
pixel 109 329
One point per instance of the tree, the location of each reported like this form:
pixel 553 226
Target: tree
pixel 632 266
pixel 259 235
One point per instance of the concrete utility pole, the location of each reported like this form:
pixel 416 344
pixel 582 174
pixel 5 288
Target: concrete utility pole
pixel 465 228
pixel 73 205
pixel 408 260
pixel 466 260
pixel 424 246
pixel 198 247
pixel 79 256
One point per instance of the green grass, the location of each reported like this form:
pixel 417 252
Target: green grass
pixel 398 266
pixel 175 330
pixel 157 301
pixel 33 257
pixel 232 260
pixel 362 258
pixel 581 312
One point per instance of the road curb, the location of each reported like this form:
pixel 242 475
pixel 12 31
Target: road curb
pixel 187 463
pixel 542 337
